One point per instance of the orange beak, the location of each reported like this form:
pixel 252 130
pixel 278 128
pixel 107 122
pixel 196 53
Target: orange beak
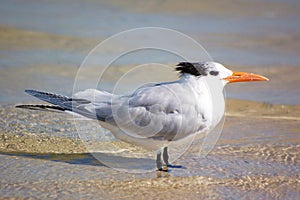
pixel 244 77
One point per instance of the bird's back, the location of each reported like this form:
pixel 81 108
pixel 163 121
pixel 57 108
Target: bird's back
pixel 168 111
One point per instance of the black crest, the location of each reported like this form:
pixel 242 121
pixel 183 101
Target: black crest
pixel 196 69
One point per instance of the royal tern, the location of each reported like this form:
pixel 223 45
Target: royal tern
pixel 153 116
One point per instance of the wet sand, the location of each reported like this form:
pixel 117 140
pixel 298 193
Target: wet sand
pixel 21 39
pixel 257 156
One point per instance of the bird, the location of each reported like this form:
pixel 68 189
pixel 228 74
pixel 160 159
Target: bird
pixel 154 116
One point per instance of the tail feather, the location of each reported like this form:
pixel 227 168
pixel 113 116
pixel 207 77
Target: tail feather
pixel 52 108
pixel 61 103
pixel 64 102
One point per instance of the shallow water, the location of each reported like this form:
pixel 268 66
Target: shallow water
pixel 266 41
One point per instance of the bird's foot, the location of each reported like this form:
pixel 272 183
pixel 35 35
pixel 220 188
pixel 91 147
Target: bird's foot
pixel 165 168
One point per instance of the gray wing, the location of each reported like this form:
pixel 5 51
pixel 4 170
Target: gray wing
pixel 161 112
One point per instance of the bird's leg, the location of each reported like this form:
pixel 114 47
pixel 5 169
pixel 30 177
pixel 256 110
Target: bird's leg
pixel 159 163
pixel 158 160
pixel 166 155
pixel 166 158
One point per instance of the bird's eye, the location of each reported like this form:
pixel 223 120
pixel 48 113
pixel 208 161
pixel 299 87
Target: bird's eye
pixel 214 73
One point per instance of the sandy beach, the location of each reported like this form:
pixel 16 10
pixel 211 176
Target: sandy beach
pixel 43 156
pixel 56 164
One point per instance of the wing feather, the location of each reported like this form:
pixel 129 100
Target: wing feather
pixel 162 112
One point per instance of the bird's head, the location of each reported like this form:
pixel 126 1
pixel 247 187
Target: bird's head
pixel 210 68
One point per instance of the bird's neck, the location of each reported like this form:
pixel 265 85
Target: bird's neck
pixel 209 92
